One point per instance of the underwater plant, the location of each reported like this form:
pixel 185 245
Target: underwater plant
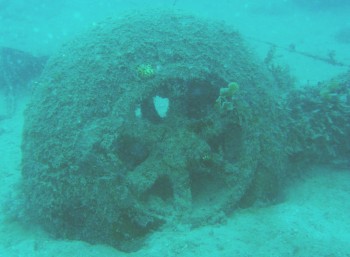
pixel 145 71
pixel 330 89
pixel 224 101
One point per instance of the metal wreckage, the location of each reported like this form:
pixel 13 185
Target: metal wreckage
pixel 165 118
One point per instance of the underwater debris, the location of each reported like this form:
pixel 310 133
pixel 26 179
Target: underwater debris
pixel 92 170
pixel 17 70
pixel 292 48
pixel 320 117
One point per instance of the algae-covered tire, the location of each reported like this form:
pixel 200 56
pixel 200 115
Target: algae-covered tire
pixel 127 130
